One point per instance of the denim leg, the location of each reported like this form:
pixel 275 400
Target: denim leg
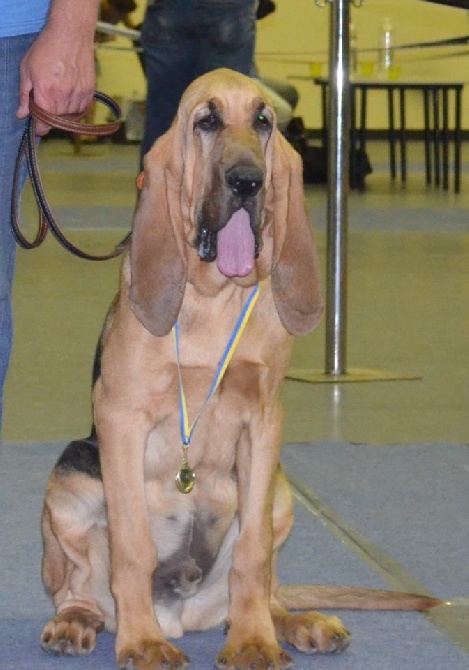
pixel 228 37
pixel 183 39
pixel 169 61
pixel 12 50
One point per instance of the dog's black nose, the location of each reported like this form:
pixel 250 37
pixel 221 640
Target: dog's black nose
pixel 245 180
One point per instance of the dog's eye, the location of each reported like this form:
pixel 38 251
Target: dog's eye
pixel 208 123
pixel 262 121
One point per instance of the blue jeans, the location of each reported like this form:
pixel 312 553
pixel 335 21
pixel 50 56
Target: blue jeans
pixel 12 50
pixel 183 39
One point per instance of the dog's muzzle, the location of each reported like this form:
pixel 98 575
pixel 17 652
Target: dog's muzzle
pixel 235 246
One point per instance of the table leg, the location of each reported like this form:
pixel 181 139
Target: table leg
pixel 427 136
pixel 436 135
pixel 391 134
pixel 457 139
pixel 444 139
pixel 324 115
pixel 361 156
pixel 403 134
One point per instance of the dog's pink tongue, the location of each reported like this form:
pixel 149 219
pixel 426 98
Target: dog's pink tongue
pixel 236 247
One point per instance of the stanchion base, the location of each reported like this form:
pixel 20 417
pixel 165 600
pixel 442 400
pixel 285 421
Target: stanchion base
pixel 352 375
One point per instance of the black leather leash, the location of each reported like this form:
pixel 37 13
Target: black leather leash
pixel 27 152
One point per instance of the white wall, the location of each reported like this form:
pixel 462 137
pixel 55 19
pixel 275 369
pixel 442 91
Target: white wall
pixel 298 33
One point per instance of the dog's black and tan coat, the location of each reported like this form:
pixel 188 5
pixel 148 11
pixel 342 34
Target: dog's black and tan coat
pixel 221 209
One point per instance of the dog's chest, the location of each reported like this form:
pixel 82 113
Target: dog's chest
pixel 213 431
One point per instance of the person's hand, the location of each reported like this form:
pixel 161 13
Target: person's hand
pixel 59 71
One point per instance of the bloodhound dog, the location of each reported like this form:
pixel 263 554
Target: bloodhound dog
pixel 149 538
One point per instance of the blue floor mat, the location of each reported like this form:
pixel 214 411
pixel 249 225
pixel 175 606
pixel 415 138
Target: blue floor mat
pixel 411 500
pixel 388 641
pixel 398 219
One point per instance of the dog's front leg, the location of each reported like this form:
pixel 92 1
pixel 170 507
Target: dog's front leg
pixel 251 639
pixel 140 644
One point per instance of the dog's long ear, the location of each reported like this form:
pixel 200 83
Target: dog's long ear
pixel 157 256
pixel 295 268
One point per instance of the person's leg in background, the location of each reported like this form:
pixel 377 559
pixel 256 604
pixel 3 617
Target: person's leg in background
pixel 228 40
pixel 227 35
pixel 169 59
pixel 183 39
pixel 12 50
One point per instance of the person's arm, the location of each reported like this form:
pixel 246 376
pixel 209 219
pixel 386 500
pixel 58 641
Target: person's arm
pixel 59 67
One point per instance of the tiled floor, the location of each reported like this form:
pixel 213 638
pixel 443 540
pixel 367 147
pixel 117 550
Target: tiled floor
pixel 408 286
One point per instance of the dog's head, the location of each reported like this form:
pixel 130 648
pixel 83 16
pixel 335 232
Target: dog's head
pixel 226 183
pixel 223 185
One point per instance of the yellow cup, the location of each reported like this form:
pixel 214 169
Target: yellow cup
pixel 394 72
pixel 367 68
pixel 315 69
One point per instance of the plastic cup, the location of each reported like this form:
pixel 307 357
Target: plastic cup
pixel 367 68
pixel 394 72
pixel 315 69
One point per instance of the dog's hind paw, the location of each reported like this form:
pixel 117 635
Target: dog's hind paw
pixel 312 633
pixel 72 632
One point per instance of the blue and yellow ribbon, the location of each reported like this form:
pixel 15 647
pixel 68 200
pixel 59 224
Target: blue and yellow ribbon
pixel 187 428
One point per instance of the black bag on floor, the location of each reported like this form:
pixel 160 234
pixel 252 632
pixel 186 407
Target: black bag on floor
pixel 315 166
pixel 315 158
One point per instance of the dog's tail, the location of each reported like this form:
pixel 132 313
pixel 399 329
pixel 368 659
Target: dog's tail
pixel 309 596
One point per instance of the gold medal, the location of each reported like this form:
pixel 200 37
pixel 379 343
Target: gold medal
pixel 185 477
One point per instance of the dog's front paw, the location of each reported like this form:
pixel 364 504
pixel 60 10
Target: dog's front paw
pixel 253 655
pixel 312 633
pixel 151 654
pixel 71 632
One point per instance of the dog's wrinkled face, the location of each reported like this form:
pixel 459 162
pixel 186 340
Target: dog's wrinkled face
pixel 230 133
pixel 223 185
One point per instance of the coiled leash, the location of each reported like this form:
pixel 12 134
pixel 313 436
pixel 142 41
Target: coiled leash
pixel 27 152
